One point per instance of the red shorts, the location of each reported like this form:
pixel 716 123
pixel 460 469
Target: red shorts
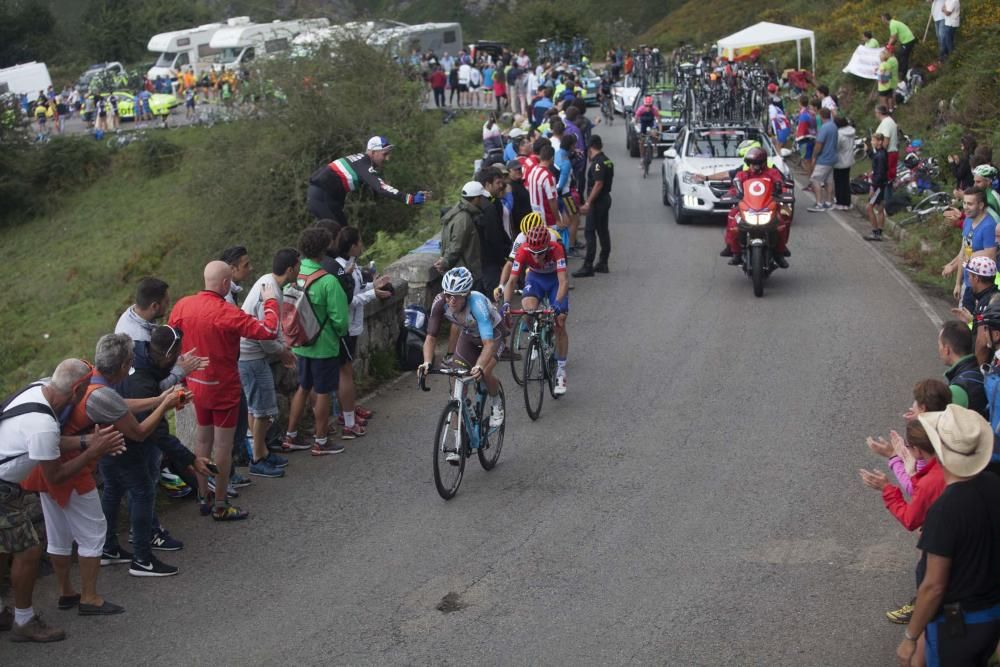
pixel 225 418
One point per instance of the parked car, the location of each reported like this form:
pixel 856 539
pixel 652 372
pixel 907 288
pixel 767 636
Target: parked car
pixel 99 69
pixel 701 151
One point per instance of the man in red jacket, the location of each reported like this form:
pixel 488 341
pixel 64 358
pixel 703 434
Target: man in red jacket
pixel 215 327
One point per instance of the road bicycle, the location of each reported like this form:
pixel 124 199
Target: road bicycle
pixel 607 110
pixel 122 139
pixel 464 427
pixel 932 204
pixel 539 359
pixel 649 143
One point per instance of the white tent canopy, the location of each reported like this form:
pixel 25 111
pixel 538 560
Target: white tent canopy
pixel 771 33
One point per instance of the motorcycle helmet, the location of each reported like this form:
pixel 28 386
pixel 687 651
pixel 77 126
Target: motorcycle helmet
pixel 648 100
pixel 530 221
pixel 755 157
pixel 457 281
pixel 537 240
pixel 746 145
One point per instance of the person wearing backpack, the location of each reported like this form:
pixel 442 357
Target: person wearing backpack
pixel 318 353
pixel 30 436
pixel 255 367
pixel 965 380
pixel 214 327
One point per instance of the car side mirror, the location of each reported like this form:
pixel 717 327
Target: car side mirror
pixel 786 152
pixel 670 154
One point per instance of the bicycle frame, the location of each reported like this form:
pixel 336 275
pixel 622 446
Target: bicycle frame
pixel 472 413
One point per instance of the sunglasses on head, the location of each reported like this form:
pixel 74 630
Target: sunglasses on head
pixel 178 335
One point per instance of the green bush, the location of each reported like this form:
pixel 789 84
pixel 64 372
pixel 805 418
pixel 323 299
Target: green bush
pixel 155 155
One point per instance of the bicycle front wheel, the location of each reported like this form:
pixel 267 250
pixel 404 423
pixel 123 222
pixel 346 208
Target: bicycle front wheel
pixel 519 337
pixel 534 378
pixel 449 451
pixel 492 440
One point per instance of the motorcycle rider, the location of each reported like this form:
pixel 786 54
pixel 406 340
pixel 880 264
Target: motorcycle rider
pixel 756 167
pixel 647 114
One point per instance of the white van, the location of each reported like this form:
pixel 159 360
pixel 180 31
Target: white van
pixel 27 79
pixel 241 43
pixel 181 49
pixel 401 41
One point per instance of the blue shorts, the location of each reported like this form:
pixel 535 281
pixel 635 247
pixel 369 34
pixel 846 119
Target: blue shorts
pixel 258 385
pixel 545 286
pixel 783 135
pixel 806 148
pixel 319 375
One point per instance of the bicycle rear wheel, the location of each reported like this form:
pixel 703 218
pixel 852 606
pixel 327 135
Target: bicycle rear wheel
pixel 449 439
pixel 492 441
pixel 534 379
pixel 518 343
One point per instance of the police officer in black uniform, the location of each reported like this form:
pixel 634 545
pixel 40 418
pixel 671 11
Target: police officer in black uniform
pixel 597 208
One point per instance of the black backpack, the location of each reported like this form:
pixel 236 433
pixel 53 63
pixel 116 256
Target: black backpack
pixel 23 409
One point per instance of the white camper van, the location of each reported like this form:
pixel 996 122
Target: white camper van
pixel 242 42
pixel 181 49
pixel 403 40
pixel 27 79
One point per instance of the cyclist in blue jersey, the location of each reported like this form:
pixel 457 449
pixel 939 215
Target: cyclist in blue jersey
pixel 482 332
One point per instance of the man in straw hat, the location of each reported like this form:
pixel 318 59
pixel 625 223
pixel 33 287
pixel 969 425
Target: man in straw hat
pixel 956 619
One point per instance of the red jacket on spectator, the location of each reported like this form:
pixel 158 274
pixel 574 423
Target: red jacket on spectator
pixel 213 326
pixel 928 484
pixel 438 79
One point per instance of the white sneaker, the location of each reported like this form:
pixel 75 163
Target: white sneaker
pixel 453 458
pixel 560 383
pixel 496 416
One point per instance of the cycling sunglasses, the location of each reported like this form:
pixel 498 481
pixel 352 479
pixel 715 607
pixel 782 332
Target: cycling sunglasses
pixel 539 251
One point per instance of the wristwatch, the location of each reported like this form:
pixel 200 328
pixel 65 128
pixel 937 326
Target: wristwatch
pixel 83 443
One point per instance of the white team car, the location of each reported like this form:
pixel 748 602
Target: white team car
pixel 623 98
pixel 703 150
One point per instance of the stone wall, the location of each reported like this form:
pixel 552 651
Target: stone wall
pixel 414 280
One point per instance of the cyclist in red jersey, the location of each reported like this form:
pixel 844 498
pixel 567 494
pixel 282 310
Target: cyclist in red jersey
pixel 545 261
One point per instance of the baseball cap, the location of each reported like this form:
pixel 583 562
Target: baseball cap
pixel 472 189
pixel 982 266
pixel 772 87
pixel 501 167
pixel 379 144
pixel 517 132
pixel 514 164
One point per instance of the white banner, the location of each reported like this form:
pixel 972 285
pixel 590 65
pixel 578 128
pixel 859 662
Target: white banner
pixel 864 62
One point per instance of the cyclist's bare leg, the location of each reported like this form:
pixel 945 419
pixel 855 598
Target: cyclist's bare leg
pixel 562 337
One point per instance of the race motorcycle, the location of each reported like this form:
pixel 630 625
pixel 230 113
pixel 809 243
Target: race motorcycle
pixel 760 217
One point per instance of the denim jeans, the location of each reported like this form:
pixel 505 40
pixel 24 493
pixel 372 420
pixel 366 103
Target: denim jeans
pixel 949 41
pixel 939 29
pixel 130 476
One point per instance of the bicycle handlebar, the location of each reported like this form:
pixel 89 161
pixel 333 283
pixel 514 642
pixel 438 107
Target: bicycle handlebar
pixel 537 311
pixel 454 372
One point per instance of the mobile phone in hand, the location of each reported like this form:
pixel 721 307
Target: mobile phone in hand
pixel 212 468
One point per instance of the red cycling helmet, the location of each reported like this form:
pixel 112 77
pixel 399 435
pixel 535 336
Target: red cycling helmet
pixel 537 239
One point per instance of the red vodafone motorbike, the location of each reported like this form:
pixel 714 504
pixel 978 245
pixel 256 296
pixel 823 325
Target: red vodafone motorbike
pixel 761 216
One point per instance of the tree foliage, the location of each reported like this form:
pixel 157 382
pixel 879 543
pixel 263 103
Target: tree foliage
pixel 26 29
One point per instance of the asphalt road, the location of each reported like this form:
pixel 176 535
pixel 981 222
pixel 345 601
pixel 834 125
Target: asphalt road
pixel 692 500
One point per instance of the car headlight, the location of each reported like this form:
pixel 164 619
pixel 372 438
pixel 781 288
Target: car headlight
pixel 692 178
pixel 752 218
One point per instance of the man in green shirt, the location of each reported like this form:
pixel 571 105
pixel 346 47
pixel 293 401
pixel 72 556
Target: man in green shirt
pixel 319 364
pixel 901 41
pixel 965 380
pixel 870 40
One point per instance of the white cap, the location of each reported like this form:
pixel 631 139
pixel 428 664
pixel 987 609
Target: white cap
pixel 517 132
pixel 379 144
pixel 473 189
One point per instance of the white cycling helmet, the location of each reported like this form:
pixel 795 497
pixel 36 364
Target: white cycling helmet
pixel 457 281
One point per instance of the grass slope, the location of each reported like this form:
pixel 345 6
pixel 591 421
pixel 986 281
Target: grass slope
pixel 79 265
